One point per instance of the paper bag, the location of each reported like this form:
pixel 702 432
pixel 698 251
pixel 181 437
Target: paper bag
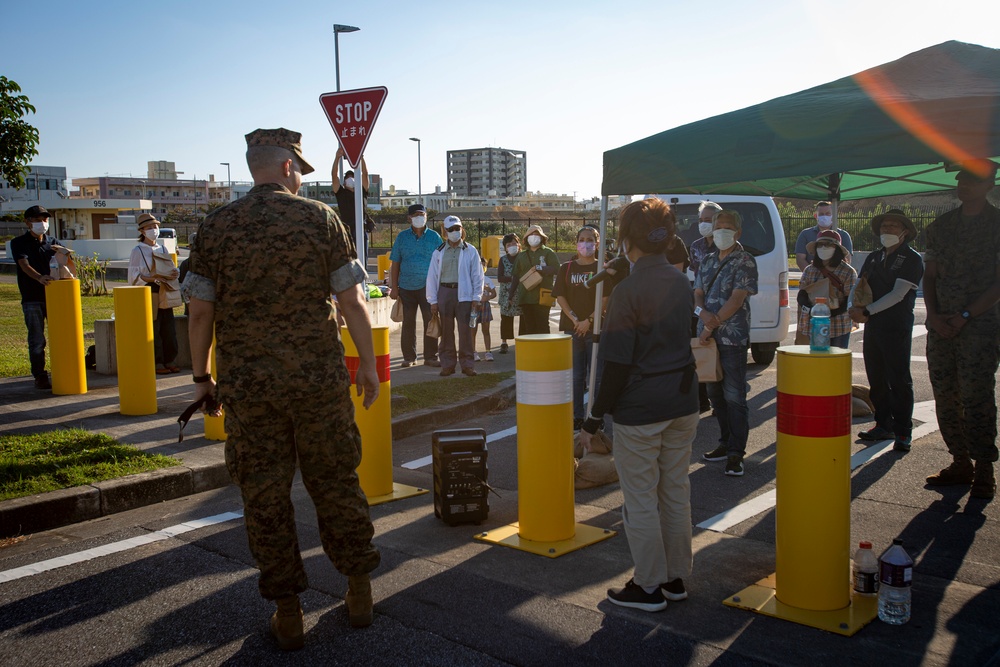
pixel 531 279
pixel 396 314
pixel 434 326
pixel 706 358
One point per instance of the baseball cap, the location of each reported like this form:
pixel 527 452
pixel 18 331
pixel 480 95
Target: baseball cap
pixel 416 208
pixel 452 221
pixel 36 212
pixel 281 138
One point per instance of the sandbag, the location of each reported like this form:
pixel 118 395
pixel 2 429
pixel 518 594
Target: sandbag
pixel 861 402
pixel 594 470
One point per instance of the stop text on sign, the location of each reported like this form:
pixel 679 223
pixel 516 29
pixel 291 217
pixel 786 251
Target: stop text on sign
pixel 353 113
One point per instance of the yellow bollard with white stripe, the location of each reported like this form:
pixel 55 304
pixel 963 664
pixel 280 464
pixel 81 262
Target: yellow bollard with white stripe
pixel 215 427
pixel 375 424
pixel 811 583
pixel 545 467
pixel 134 351
pixel 65 317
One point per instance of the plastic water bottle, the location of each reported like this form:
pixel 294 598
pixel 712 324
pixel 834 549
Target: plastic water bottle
pixel 473 319
pixel 865 570
pixel 895 577
pixel 819 339
pixel 54 268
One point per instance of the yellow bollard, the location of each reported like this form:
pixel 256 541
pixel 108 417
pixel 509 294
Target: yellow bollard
pixel 215 427
pixel 811 584
pixel 545 467
pixel 65 316
pixel 375 424
pixel 384 264
pixel 134 350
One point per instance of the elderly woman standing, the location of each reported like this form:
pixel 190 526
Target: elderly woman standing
pixel 142 271
pixel 536 255
pixel 831 261
pixel 649 386
pixel 505 293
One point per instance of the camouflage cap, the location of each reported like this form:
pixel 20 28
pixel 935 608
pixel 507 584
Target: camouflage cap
pixel 281 138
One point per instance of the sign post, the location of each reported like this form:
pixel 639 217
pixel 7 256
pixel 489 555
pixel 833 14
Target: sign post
pixel 352 114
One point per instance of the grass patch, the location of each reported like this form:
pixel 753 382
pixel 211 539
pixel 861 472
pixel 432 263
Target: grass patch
pixel 14 336
pixel 41 462
pixel 435 393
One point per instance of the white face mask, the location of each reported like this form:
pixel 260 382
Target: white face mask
pixel 39 228
pixel 889 240
pixel 152 234
pixel 512 250
pixel 724 238
pixel 534 240
pixel 349 182
pixel 455 237
pixel 825 252
pixel 419 221
pixel 705 228
pixel 824 220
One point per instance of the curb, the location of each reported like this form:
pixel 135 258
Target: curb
pixel 55 509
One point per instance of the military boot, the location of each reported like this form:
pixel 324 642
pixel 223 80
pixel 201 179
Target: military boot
pixel 959 472
pixel 984 485
pixel 359 601
pixel 286 623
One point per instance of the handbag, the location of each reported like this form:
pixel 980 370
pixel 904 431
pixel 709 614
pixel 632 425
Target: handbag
pixel 531 279
pixel 396 314
pixel 434 326
pixel 545 297
pixel 706 359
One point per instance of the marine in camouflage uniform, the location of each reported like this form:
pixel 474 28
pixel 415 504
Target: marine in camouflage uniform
pixel 270 263
pixel 962 287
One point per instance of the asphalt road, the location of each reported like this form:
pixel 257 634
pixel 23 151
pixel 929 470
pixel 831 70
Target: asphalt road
pixel 174 583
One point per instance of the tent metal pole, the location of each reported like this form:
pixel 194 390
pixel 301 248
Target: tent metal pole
pixel 602 251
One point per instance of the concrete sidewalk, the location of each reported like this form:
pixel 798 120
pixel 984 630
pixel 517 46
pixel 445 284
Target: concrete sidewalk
pixel 23 409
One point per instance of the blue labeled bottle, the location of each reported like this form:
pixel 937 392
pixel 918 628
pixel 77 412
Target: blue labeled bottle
pixel 819 333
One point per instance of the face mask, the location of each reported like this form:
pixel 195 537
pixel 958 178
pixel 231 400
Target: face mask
pixel 534 240
pixel 512 250
pixel 455 237
pixel 705 228
pixel 419 221
pixel 825 252
pixel 585 248
pixel 824 220
pixel 39 228
pixel 349 182
pixel 888 240
pixel 724 238
pixel 152 234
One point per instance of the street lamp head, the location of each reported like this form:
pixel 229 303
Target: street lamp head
pixel 344 28
pixel 414 139
pixel 226 164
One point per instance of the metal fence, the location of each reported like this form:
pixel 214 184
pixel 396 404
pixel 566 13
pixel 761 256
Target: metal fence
pixel 561 233
pixel 858 225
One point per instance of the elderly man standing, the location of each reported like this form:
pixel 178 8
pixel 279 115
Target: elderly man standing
pixel 455 289
pixel 411 258
pixel 281 372
pixel 893 274
pixel 722 290
pixel 962 289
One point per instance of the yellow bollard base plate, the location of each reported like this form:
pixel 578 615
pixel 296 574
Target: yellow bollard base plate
pixel 399 491
pixel 761 598
pixel 508 536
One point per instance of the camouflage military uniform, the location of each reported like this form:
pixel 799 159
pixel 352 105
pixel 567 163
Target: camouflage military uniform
pixel 270 262
pixel 963 369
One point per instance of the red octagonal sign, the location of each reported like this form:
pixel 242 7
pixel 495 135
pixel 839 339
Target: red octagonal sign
pixel 353 113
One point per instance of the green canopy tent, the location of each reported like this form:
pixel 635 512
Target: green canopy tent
pixel 888 130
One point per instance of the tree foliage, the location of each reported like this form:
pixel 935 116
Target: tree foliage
pixel 18 139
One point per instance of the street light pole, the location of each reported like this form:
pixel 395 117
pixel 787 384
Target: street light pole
pixel 229 182
pixel 420 184
pixel 337 29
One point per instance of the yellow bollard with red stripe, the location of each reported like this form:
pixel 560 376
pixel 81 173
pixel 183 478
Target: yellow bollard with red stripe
pixel 811 584
pixel 545 468
pixel 375 424
pixel 65 316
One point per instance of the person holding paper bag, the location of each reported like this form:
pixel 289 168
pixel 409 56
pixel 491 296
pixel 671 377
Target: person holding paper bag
pixel 145 268
pixel 829 275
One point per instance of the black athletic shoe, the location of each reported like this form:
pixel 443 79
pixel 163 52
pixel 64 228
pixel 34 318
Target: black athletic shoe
pixel 674 590
pixel 633 596
pixel 734 466
pixel 720 453
pixel 875 434
pixel 42 382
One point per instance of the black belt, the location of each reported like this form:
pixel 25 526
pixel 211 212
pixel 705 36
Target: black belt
pixel 686 379
pixel 451 285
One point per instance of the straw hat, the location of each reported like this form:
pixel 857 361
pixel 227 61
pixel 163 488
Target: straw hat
pixel 534 229
pixel 894 214
pixel 828 235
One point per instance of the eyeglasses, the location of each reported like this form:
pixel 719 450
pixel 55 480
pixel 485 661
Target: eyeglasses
pixel 453 229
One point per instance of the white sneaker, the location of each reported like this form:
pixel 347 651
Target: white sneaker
pixel 488 356
pixel 476 357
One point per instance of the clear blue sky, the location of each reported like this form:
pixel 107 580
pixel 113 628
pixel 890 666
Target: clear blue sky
pixel 119 83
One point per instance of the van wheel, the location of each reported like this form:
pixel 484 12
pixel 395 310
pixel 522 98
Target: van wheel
pixel 763 353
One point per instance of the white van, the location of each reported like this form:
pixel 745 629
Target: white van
pixel 764 238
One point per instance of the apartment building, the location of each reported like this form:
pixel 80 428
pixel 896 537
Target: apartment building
pixel 476 172
pixel 44 185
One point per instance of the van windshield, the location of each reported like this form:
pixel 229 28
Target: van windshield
pixel 758 230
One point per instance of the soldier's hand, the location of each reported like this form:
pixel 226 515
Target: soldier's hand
pixel 368 384
pixel 202 389
pixel 941 324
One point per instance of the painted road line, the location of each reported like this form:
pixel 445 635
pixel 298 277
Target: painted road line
pixel 923 411
pixel 116 547
pixel 427 460
pixel 859 355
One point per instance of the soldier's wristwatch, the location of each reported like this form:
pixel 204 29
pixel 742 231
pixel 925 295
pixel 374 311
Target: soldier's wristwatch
pixel 966 315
